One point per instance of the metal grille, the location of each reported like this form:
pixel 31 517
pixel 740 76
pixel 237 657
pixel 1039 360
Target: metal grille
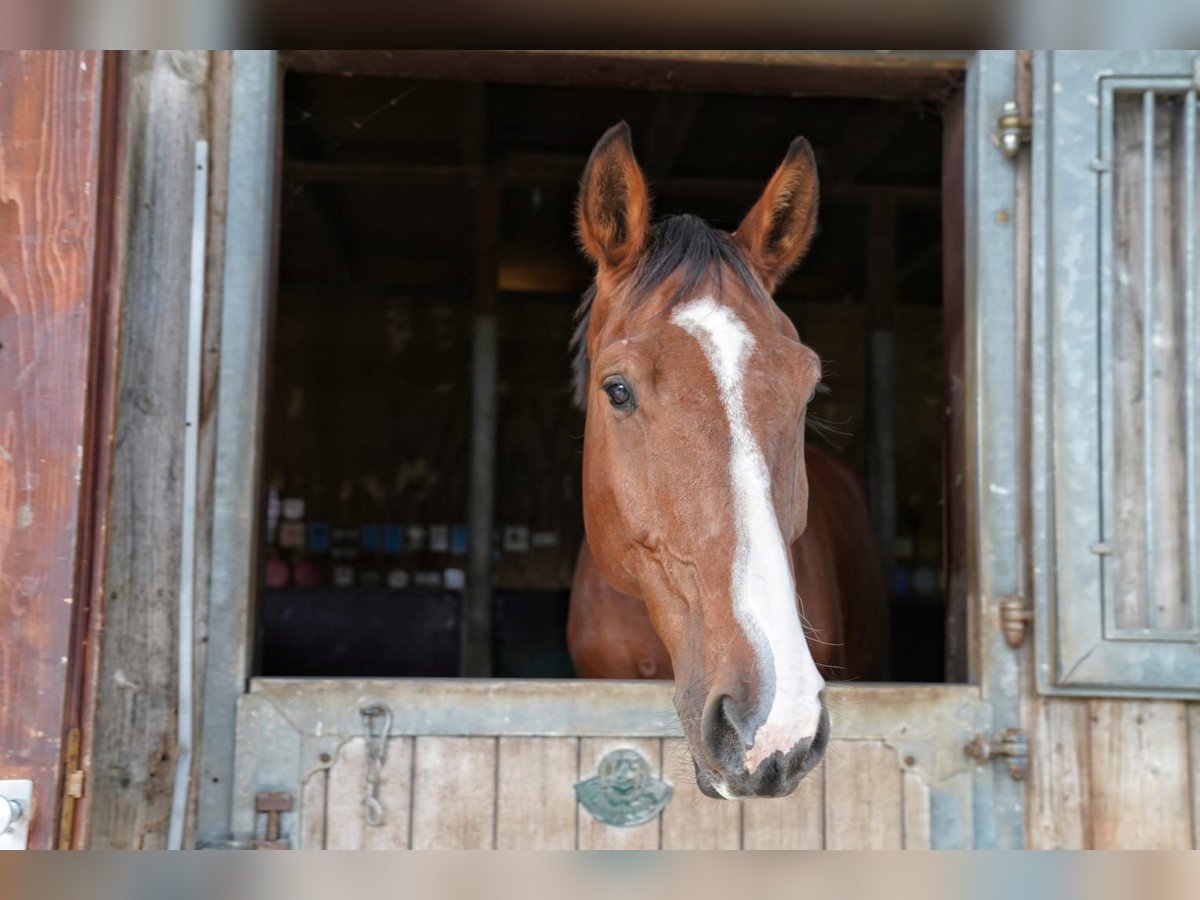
pixel 1148 364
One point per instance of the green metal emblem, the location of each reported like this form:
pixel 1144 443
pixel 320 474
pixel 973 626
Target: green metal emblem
pixel 624 792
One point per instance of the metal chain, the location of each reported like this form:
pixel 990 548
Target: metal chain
pixel 377 724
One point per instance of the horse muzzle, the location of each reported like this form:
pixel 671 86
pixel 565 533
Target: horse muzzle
pixel 728 776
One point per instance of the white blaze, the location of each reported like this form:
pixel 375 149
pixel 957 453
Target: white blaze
pixel 764 594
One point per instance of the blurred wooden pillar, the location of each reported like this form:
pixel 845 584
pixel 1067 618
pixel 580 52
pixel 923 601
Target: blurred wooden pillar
pixel 881 365
pixel 476 658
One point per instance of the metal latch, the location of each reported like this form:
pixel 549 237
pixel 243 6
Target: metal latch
pixel 1012 746
pixel 1012 129
pixel 274 804
pixel 1015 617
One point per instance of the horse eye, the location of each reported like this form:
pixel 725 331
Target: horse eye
pixel 619 394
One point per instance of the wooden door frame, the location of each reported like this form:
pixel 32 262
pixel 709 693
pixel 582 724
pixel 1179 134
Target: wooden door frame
pixel 247 308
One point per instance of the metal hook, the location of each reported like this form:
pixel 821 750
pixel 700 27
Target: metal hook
pixel 377 741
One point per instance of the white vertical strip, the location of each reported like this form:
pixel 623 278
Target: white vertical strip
pixel 191 454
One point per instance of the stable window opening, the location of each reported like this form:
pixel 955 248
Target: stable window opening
pixel 412 210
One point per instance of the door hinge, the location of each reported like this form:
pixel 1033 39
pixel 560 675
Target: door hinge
pixel 74 784
pixel 1015 617
pixel 1012 129
pixel 1012 745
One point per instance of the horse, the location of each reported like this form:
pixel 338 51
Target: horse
pixel 713 536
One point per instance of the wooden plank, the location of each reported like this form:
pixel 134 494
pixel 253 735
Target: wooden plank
pixel 794 823
pixel 345 826
pixel 50 125
pixel 454 793
pixel 535 801
pixel 134 737
pixel 1058 815
pixel 594 835
pixel 313 796
pixel 692 821
pixel 917 822
pixel 863 797
pixel 1140 783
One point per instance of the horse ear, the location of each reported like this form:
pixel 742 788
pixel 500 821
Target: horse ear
pixel 614 203
pixel 777 230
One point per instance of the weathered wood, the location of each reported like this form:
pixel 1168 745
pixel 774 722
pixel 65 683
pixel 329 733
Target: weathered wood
pixel 595 835
pixel 897 75
pixel 1140 783
pixel 692 821
pixel 134 739
pixel 797 823
pixel 863 797
pixel 535 793
pixel 314 795
pixel 345 825
pixel 917 824
pixel 49 158
pixel 1058 795
pixel 454 793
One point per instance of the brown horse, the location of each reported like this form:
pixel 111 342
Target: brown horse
pixel 704 512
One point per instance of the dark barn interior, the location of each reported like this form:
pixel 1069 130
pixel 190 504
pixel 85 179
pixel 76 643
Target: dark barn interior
pixel 406 205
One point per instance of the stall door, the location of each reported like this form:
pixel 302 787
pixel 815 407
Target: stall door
pixel 579 764
pixel 1117 372
pixel 588 765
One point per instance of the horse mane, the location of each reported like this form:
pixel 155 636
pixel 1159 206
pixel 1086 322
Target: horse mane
pixel 685 244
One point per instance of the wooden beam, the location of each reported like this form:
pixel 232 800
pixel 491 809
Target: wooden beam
pixel 791 73
pixel 566 168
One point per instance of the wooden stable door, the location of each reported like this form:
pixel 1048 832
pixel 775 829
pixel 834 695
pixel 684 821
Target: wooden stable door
pixel 496 764
pixel 57 140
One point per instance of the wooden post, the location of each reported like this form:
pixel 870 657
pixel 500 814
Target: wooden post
pixel 476 659
pixel 881 296
pixel 955 486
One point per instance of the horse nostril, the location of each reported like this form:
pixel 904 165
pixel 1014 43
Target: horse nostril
pixel 723 732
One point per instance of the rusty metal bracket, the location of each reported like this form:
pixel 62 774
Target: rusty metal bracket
pixel 274 804
pixel 1015 617
pixel 1012 746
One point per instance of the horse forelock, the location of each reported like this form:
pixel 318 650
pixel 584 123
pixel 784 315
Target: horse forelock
pixel 684 247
